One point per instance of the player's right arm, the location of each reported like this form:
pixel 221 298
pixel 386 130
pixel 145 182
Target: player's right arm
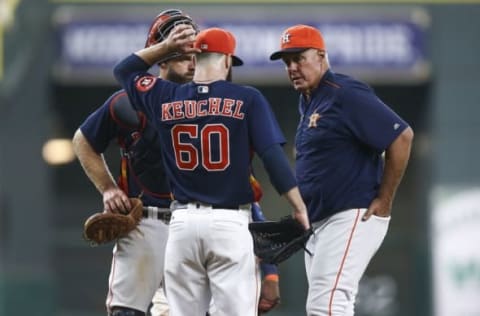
pixel 132 72
pixel 97 171
pixel 89 142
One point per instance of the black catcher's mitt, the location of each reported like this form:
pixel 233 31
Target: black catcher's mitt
pixel 276 241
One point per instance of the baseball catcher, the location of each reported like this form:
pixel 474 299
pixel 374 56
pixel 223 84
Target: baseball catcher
pixel 276 241
pixel 104 227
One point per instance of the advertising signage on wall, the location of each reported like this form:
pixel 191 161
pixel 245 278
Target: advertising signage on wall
pixel 388 49
pixel 455 220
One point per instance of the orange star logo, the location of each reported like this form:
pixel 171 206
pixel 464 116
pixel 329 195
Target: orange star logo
pixel 313 119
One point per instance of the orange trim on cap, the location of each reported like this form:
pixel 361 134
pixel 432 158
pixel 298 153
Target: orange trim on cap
pixel 343 262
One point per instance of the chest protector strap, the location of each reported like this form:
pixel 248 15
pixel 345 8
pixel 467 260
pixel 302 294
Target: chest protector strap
pixel 127 118
pixel 140 148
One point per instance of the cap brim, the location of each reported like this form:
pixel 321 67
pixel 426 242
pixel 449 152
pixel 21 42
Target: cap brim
pixel 278 54
pixel 236 61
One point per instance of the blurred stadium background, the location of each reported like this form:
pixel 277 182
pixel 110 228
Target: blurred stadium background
pixel 55 68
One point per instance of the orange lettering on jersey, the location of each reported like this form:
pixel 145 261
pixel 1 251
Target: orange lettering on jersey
pixel 178 110
pixel 214 106
pixel 166 115
pixel 227 107
pixel 200 111
pixel 190 108
pixel 237 114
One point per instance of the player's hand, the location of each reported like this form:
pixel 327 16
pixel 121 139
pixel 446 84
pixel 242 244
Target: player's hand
pixel 378 207
pixel 270 296
pixel 181 39
pixel 302 217
pixel 294 197
pixel 115 200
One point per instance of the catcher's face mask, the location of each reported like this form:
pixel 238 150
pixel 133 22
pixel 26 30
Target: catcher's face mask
pixel 164 23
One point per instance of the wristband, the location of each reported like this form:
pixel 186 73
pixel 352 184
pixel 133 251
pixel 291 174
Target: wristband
pixel 271 277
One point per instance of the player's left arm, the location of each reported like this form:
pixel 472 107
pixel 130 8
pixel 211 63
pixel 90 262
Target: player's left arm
pixel 396 160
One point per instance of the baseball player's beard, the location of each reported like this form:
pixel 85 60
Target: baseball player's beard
pixel 176 77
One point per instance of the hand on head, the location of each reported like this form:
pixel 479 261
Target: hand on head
pixel 181 39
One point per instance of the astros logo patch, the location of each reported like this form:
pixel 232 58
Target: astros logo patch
pixel 286 38
pixel 313 119
pixel 145 83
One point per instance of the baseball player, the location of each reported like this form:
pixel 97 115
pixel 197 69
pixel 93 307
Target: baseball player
pixel 270 291
pixel 207 128
pixel 137 265
pixel 348 187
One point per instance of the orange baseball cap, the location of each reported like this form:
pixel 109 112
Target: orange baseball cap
pixel 217 40
pixel 298 38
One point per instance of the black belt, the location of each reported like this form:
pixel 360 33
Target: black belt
pixel 215 206
pixel 155 213
pixel 178 204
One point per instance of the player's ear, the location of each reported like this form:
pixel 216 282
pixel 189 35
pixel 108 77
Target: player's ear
pixel 163 65
pixel 228 61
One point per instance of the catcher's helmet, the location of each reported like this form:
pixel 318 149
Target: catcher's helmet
pixel 164 23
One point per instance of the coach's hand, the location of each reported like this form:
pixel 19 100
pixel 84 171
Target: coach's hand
pixel 378 207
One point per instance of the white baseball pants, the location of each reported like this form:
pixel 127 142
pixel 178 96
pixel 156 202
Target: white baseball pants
pixel 342 246
pixel 137 265
pixel 209 254
pixel 160 303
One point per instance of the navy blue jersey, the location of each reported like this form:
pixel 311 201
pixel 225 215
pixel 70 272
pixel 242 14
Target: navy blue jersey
pixel 144 168
pixel 339 142
pixel 207 132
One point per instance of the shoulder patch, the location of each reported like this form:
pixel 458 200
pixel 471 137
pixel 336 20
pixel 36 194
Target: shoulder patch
pixel 145 83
